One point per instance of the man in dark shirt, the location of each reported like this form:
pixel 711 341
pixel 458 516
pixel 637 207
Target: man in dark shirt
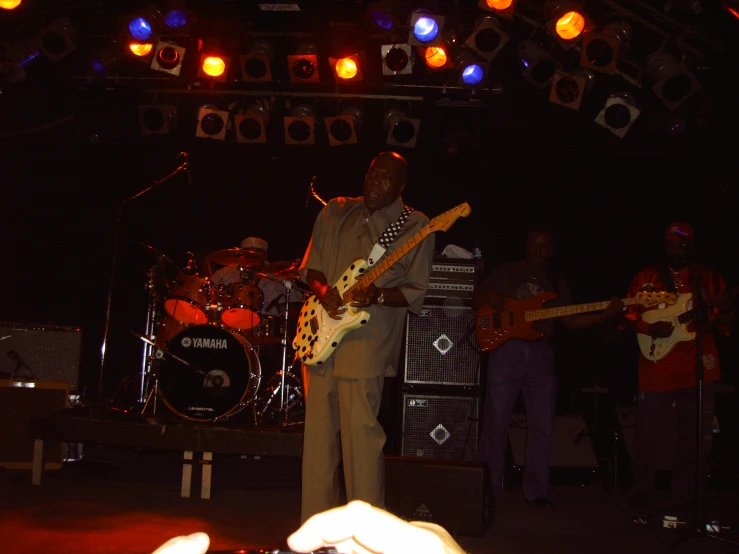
pixel 527 366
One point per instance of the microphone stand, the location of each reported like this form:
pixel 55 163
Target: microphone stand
pixel 113 270
pixel 700 309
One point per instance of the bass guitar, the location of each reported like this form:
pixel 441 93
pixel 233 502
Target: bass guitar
pixel 516 319
pixel 318 334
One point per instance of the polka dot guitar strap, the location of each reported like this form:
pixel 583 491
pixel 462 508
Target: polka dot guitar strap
pixel 387 237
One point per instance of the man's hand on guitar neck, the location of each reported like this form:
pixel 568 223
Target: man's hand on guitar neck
pixel 329 297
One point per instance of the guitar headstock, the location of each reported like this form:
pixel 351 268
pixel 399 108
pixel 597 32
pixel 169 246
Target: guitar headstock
pixel 444 221
pixel 649 299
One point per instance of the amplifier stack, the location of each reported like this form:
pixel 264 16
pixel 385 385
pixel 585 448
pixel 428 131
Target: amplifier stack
pixel 441 378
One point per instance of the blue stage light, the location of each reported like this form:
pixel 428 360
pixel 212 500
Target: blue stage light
pixel 140 29
pixel 176 19
pixel 472 74
pixel 381 19
pixel 426 29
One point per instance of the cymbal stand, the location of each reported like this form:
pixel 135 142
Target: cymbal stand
pixel 149 331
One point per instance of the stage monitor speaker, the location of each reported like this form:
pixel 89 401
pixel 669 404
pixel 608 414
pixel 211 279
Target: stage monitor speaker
pixel 19 401
pixel 439 347
pixel 571 444
pixel 40 352
pixel 440 427
pixel 450 494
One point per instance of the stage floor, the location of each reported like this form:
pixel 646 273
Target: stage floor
pixel 126 500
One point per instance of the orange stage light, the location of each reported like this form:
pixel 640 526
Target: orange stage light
pixel 435 57
pixel 346 68
pixel 733 12
pixel 140 49
pixel 570 25
pixel 214 66
pixel 9 4
pixel 499 4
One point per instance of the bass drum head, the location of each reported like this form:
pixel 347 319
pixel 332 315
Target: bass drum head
pixel 230 378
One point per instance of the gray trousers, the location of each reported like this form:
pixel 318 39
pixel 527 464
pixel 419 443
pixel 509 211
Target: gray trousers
pixel 341 425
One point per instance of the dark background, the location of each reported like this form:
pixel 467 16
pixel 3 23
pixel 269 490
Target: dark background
pixel 517 160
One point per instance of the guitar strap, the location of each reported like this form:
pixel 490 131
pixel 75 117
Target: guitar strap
pixel 387 237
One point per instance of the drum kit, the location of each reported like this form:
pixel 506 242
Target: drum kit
pixel 206 339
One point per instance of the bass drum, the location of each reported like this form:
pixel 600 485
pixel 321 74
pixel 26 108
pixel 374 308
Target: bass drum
pixel 223 380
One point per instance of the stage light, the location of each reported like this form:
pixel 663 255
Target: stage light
pixel 105 62
pixel 177 18
pixel 401 130
pixel 396 59
pixel 671 81
pixel 300 126
pixel 538 64
pixel 251 126
pixel 488 38
pixel 157 119
pixel 144 26
pixel 569 89
pixel 55 41
pixel 440 57
pixel 425 28
pixel 140 50
pixel 600 51
pixel 380 14
pixel 212 122
pixel 304 64
pixel 256 65
pixel 214 66
pixel 566 21
pixel 618 114
pixel 503 8
pixel 9 4
pixel 168 58
pixel 342 129
pixel 731 7
pixel 471 73
pixel 346 69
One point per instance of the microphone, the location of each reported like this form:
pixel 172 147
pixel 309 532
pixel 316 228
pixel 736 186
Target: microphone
pixel 310 191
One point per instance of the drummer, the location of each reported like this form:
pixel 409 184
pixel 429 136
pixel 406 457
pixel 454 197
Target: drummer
pixel 274 292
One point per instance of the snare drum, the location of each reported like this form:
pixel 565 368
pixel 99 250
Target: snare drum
pixel 242 306
pixel 223 379
pixel 189 299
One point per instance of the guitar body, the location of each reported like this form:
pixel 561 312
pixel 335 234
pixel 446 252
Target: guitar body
pixel 662 347
pixel 494 327
pixel 318 334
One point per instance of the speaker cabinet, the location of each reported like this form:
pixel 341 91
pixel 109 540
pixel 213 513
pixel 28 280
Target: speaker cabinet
pixel 450 494
pixel 571 444
pixel 439 347
pixel 440 427
pixel 40 352
pixel 19 401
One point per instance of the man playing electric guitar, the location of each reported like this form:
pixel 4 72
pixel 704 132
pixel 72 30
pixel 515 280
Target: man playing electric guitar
pixel 345 390
pixel 527 366
pixel 669 383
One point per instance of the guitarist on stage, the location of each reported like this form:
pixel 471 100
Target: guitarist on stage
pixel 671 381
pixel 345 391
pixel 527 366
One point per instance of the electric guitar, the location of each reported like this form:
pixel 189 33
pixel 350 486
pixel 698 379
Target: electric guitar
pixel 677 314
pixel 516 319
pixel 318 334
pixel 680 316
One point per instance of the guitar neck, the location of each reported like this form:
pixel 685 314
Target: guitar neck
pixel 373 274
pixel 560 311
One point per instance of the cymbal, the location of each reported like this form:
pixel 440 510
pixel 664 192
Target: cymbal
pixel 162 270
pixel 236 257
pixel 286 269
